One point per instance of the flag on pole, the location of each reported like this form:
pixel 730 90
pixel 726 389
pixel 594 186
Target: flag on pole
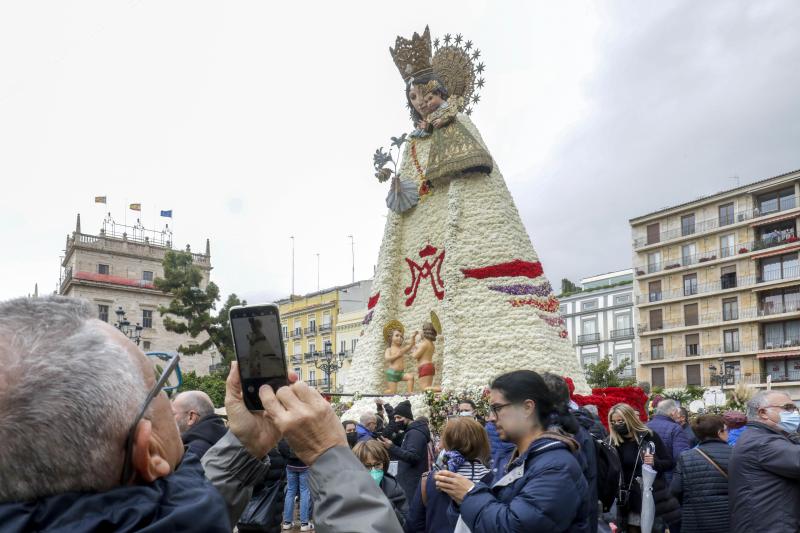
pixel 136 207
pixel 99 199
pixel 167 214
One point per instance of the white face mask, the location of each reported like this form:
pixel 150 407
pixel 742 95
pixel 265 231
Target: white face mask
pixel 467 413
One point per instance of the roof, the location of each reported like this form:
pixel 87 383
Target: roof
pixel 115 280
pixel 708 196
pixel 319 292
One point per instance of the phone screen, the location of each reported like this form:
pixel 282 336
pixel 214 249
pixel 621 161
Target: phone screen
pixel 259 351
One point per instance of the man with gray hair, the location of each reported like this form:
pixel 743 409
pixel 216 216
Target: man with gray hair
pixel 199 425
pixel 764 469
pixel 367 424
pixel 665 423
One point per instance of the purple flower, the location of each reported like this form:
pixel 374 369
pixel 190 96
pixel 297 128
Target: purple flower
pixel 521 289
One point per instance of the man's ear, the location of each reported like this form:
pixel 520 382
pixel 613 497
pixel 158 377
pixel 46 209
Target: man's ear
pixel 147 458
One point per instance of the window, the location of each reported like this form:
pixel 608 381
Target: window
pixel 354 343
pixel 687 224
pixel 656 319
pixel 656 348
pixel 653 233
pixel 590 356
pixel 692 344
pixel 562 309
pixel 693 376
pixel 727 245
pixel 690 315
pixel 298 350
pixel 622 299
pixel 688 254
pixel 776 201
pixel 779 301
pixel 654 291
pixel 299 372
pixel 102 312
pixel 620 357
pixel 147 318
pixel 312 347
pixel 298 327
pixel 326 319
pixel 312 376
pixel 342 346
pixel 726 214
pixel 284 330
pixel 327 347
pixel 102 269
pixel 312 324
pixel 622 321
pixel 779 267
pixel 657 377
pixel 653 262
pixel 589 325
pixel 145 345
pixel 689 284
pixel 727 277
pixel 147 275
pixel 781 334
pixel 589 305
pixel 730 340
pixel 730 309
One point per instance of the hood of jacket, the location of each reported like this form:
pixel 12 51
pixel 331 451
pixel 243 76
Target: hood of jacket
pixel 178 502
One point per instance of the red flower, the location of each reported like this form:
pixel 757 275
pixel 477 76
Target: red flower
pixel 608 397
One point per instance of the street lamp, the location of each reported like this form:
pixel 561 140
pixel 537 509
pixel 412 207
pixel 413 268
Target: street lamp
pixel 329 363
pixel 134 333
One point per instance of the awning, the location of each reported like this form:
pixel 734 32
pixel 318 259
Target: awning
pixel 778 251
pixel 777 218
pixel 779 355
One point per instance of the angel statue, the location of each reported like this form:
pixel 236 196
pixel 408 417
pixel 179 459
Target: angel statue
pixel 454 245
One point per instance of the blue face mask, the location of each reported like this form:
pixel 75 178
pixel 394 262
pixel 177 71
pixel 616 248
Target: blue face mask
pixel 377 475
pixel 790 421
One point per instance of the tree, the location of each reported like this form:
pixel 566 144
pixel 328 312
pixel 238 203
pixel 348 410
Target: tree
pixel 213 385
pixel 192 306
pixel 604 374
pixel 568 287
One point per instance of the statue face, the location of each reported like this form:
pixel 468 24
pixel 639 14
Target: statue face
pixel 397 337
pixel 432 102
pixel 417 100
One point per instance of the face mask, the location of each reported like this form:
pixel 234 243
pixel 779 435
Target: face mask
pixel 352 439
pixel 401 425
pixel 622 429
pixel 467 413
pixel 789 421
pixel 377 475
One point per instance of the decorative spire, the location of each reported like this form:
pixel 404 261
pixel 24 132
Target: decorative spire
pixel 78 224
pixel 208 247
pixel 36 288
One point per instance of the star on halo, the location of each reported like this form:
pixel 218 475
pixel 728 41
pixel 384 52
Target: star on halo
pixel 458 39
pixel 480 68
pixel 447 38
pixel 480 83
pixel 476 54
pixel 468 45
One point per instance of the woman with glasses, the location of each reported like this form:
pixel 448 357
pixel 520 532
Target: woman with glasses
pixel 537 487
pixel 465 450
pixel 637 445
pixel 375 458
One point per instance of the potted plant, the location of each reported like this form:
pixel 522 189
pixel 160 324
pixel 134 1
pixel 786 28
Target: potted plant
pixel 743 250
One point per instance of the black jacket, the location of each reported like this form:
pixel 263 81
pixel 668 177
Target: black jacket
pixel 276 479
pixel 394 493
pixel 702 490
pixel 412 457
pixel 203 435
pixel 765 481
pixel 291 458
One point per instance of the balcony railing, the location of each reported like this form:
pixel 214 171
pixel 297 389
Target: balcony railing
pixel 702 350
pixel 716 222
pixel 296 333
pixel 775 377
pixel 310 330
pixel 297 359
pixel 589 338
pixel 767 309
pixel 324 328
pixel 621 333
pixel 703 320
pixel 780 344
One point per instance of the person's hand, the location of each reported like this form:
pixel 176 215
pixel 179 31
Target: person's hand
pixel 303 416
pixel 422 124
pixel 386 442
pixel 454 485
pixel 648 459
pixel 256 433
pixel 437 123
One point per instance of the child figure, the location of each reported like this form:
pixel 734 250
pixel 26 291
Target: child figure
pixel 395 358
pixel 424 356
pixel 454 151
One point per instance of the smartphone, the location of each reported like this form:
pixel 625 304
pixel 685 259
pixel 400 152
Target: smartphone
pixel 258 343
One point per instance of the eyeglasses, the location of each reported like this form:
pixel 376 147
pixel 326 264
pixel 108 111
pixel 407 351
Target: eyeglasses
pixel 371 466
pixel 787 407
pixel 497 407
pixel 161 381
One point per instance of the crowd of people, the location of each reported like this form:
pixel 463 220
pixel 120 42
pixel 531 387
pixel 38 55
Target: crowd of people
pixel 90 442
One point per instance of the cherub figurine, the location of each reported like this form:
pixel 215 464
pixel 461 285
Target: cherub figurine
pixel 394 356
pixel 424 356
pixel 454 150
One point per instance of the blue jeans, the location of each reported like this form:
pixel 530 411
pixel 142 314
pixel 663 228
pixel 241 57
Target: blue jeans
pixel 297 482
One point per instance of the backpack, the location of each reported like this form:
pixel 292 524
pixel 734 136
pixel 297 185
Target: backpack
pixel 609 471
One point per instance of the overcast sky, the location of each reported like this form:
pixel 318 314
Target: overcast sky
pixel 255 121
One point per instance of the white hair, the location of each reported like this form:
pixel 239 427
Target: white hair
pixel 68 395
pixel 667 407
pixel 367 418
pixel 760 401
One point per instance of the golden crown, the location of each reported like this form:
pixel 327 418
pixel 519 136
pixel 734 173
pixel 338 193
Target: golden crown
pixel 413 57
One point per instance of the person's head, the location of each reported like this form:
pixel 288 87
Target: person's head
pixel 429 332
pixel 190 407
pixel 683 417
pixel 520 404
pixel 623 423
pixel 466 407
pixel 734 419
pixel 709 427
pixel 403 415
pixel 669 408
pixel 415 94
pixel 369 421
pixel 774 409
pixel 559 392
pixel 374 457
pixel 466 436
pixel 71 387
pixel 349 426
pixel 396 337
pixel 592 410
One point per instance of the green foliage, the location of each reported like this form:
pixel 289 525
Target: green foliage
pixel 695 392
pixel 604 374
pixel 570 288
pixel 445 404
pixel 213 385
pixel 191 306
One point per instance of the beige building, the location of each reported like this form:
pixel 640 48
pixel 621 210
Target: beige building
pixel 116 268
pixel 716 288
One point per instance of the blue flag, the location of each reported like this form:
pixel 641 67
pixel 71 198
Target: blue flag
pixel 167 214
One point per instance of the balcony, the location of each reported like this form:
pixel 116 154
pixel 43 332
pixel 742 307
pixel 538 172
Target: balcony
pixel 297 359
pixel 310 330
pixel 775 377
pixel 770 308
pixel 780 344
pixel 296 333
pixel 624 333
pixel 707 320
pixel 589 338
pixel 323 383
pixel 713 223
pixel 325 328
pixel 715 350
